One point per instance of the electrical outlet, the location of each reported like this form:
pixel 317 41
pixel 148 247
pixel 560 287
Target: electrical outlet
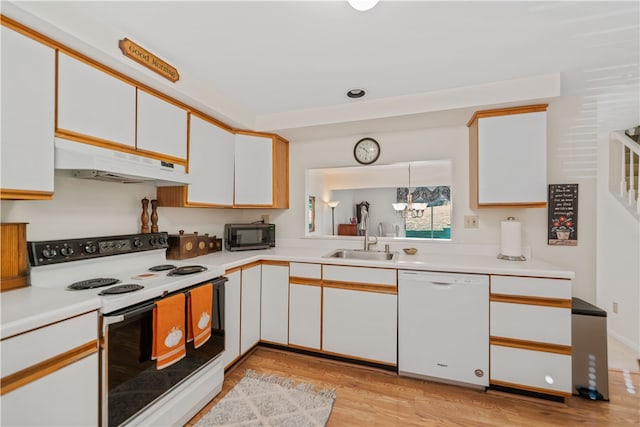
pixel 615 307
pixel 471 221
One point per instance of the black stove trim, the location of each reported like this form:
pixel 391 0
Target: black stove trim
pixel 49 252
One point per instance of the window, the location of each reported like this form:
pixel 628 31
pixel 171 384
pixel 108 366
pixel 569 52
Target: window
pixel 435 222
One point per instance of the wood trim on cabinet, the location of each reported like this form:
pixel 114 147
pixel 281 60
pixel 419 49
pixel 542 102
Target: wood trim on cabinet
pixel 11 194
pixel 364 287
pixel 294 280
pixel 115 146
pixel 232 270
pixel 250 265
pixel 530 345
pixel 529 388
pixel 46 367
pixel 529 300
pixel 176 197
pixel 28 32
pixel 275 262
pixel 506 112
pixel 474 177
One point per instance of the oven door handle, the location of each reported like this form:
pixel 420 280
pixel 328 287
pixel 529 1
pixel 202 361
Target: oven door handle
pixel 110 320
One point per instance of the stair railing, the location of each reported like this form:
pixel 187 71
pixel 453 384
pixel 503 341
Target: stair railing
pixel 629 152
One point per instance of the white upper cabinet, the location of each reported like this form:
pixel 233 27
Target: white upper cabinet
pixel 210 145
pixel 254 170
pixel 28 103
pixel 508 157
pixel 162 127
pixel 94 105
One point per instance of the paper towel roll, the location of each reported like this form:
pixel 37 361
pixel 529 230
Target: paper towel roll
pixel 510 238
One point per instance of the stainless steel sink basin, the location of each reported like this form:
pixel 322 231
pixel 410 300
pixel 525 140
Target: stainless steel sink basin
pixel 362 254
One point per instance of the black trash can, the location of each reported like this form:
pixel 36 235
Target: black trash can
pixel 589 350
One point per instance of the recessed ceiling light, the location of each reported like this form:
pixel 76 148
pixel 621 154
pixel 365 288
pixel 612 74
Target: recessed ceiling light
pixel 356 93
pixel 363 5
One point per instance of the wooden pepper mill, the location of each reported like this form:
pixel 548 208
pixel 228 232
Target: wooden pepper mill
pixel 144 218
pixel 154 216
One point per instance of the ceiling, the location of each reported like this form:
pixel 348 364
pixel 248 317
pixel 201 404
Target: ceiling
pixel 285 66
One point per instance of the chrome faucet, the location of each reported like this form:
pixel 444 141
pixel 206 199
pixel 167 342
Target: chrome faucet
pixel 364 225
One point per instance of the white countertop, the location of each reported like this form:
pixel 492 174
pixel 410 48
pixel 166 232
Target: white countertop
pixel 29 308
pixel 454 263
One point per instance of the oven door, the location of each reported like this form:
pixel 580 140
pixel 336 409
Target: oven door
pixel 130 381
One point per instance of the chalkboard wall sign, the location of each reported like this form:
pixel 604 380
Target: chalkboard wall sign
pixel 563 214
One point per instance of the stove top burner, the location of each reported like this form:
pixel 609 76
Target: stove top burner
pixel 187 269
pixel 92 283
pixel 162 267
pixel 121 289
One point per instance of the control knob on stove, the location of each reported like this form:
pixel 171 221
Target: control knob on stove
pixel 66 250
pixel 138 243
pixel 49 252
pixel 153 241
pixel 162 240
pixel 90 248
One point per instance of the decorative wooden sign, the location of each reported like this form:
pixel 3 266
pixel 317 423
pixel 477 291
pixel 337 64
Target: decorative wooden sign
pixel 563 214
pixel 148 59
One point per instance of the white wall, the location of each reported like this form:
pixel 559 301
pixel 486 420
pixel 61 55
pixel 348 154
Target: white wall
pixel 88 208
pixel 453 143
pixel 618 258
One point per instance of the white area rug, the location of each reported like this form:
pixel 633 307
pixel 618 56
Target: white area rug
pixel 265 400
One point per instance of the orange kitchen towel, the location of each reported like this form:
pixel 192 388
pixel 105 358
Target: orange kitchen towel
pixel 200 305
pixel 169 345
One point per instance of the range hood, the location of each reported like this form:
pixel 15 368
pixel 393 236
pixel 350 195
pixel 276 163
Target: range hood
pixel 91 162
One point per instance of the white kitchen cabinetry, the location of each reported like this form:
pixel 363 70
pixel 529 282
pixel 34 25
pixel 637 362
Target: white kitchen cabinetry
pixel 231 318
pixel 508 157
pixel 161 127
pixel 274 324
pixel 94 106
pixel 27 122
pixel 254 170
pixel 261 171
pixel 359 318
pixel 50 375
pixel 210 145
pixel 250 307
pixel 531 326
pixel 305 302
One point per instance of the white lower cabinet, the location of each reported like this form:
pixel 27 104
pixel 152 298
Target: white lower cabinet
pixel 304 315
pixel 530 334
pixel 50 375
pixel 533 370
pixel 250 308
pixel 360 324
pixel 231 318
pixel 67 397
pixel 274 312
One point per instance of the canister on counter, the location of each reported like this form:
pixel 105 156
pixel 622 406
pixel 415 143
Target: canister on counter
pixel 182 246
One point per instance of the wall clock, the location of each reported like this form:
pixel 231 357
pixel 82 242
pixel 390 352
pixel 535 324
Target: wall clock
pixel 366 151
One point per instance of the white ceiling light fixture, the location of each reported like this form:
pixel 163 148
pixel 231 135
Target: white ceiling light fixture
pixel 363 5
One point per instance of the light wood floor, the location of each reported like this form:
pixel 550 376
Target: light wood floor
pixel 371 397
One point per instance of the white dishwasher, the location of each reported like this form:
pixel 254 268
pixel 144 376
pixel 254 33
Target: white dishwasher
pixel 443 327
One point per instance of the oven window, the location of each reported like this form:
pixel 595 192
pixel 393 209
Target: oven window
pixel 132 378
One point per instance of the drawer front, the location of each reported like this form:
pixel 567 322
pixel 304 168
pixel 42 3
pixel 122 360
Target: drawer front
pixel 374 276
pixel 302 269
pixel 25 350
pixel 531 322
pixel 531 287
pixel 533 370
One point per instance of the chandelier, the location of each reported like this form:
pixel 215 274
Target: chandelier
pixel 409 209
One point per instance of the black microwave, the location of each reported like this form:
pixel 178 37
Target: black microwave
pixel 245 237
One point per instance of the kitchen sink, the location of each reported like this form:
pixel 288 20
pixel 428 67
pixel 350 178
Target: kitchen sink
pixel 362 254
